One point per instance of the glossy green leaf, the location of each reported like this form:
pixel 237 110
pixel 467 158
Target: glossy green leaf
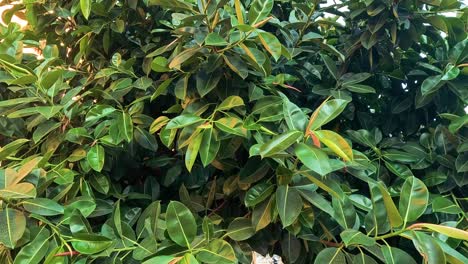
pixel 230 102
pixel 98 112
pixel 313 158
pixel 259 10
pixel 270 42
pixel 330 256
pixel 160 260
pixel 13 227
pixel 444 205
pixel 392 212
pixel 170 4
pixel 96 157
pixel 214 39
pixel 85 6
pixel 399 170
pixel 288 204
pixel 413 200
pixel 461 163
pixel 446 230
pixel 295 118
pixel 90 243
pixel 336 143
pixel 209 147
pixel 428 248
pixel 258 194
pixel 126 126
pixel 330 64
pixel 218 251
pixel 145 139
pixel 43 206
pixel 17 101
pixel 394 255
pixel 263 213
pixel 354 237
pixel 192 151
pixel 180 223
pixel 236 65
pixel 326 113
pixel 18 191
pixel 183 121
pixel 431 84
pixel 359 88
pixel 36 250
pixel 182 57
pixel 345 213
pixel 279 143
pixel 231 125
pixel 159 64
pixel 240 229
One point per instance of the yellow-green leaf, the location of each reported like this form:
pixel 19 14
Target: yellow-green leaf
pixel 336 143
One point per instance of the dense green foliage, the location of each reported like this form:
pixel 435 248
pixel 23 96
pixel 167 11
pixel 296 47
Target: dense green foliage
pixel 183 131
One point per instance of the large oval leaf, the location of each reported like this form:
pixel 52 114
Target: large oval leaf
pixel 240 229
pixel 288 203
pixel 13 227
pixel 218 251
pixel 330 256
pixel 181 225
pixel 95 157
pixel 413 199
pixel 43 206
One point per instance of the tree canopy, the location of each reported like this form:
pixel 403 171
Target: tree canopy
pixel 183 131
